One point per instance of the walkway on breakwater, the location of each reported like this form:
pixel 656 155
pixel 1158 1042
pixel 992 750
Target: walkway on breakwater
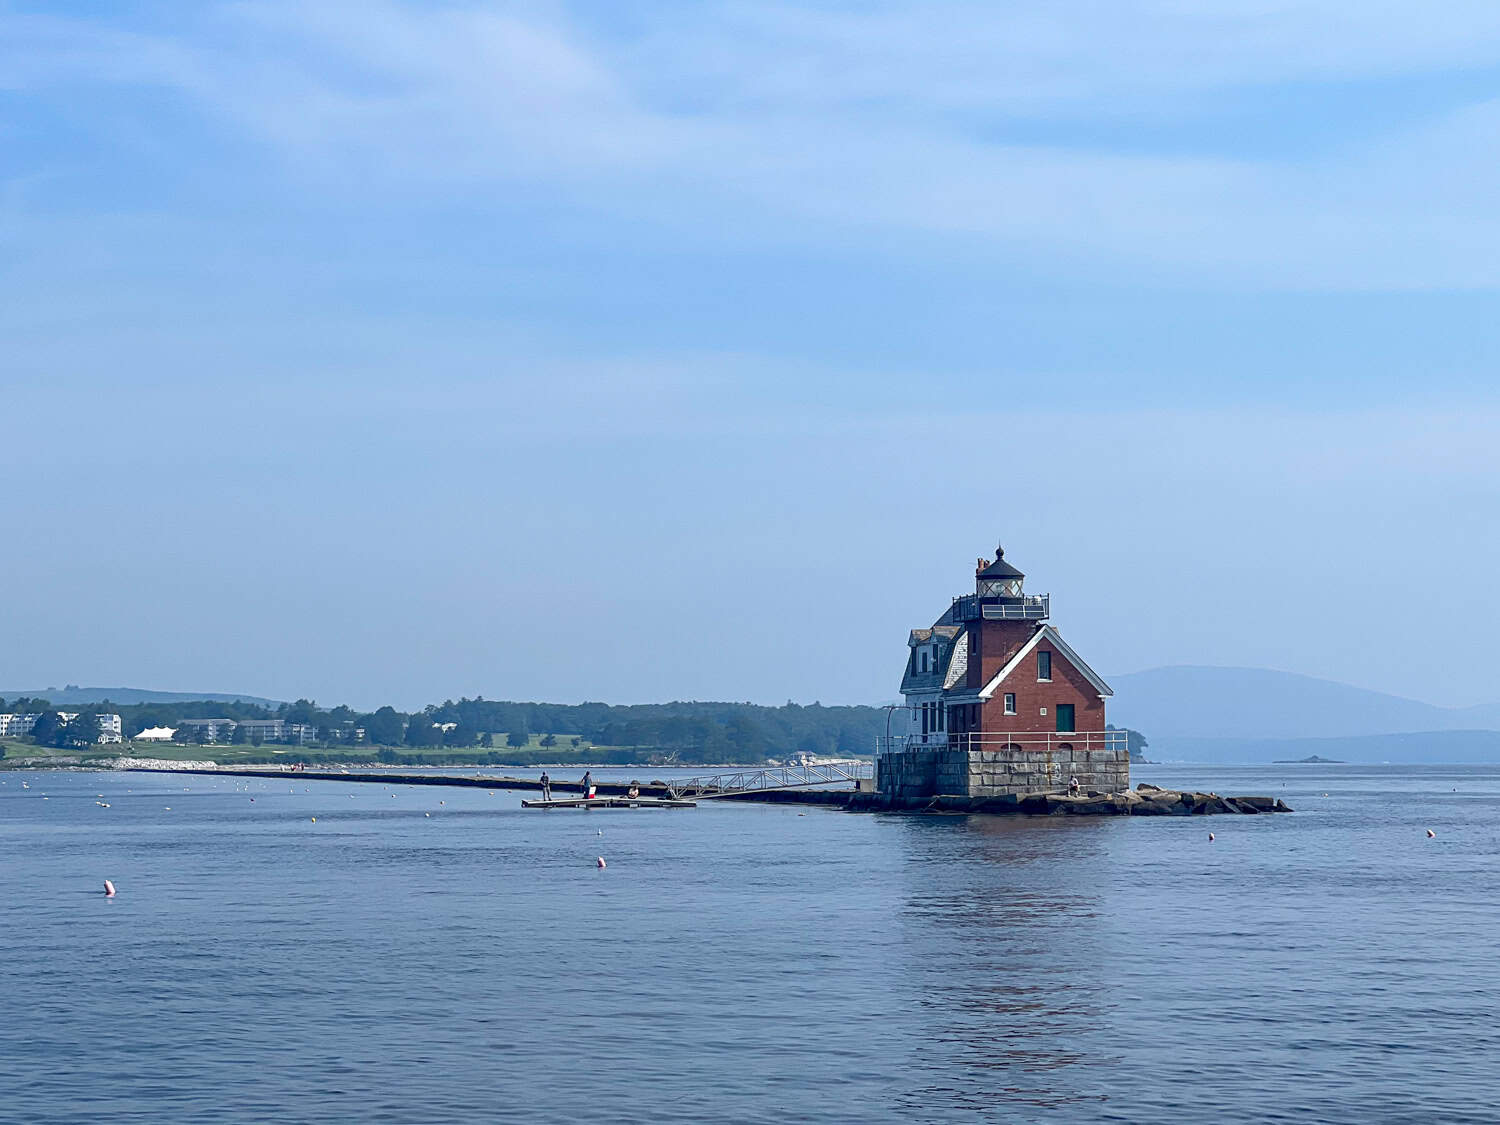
pixel 1144 800
pixel 669 791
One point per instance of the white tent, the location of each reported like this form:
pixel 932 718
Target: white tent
pixel 156 734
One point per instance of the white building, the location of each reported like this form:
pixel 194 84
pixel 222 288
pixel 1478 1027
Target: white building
pixel 15 726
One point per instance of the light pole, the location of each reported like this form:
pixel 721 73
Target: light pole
pixel 889 708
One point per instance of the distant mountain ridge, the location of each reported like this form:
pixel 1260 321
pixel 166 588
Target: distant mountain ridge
pixel 73 694
pixel 1258 704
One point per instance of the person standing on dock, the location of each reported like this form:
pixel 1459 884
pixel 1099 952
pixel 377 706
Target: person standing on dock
pixel 588 783
pixel 546 787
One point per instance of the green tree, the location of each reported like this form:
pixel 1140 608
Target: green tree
pixel 46 729
pixel 421 732
pixel 239 736
pixel 520 734
pixel 80 731
pixel 549 740
pixel 383 728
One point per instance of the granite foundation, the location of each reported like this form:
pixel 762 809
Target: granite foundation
pixel 921 774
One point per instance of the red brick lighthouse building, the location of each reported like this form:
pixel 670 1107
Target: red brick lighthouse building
pixel 997 703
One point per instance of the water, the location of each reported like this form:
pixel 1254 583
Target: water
pixel 745 963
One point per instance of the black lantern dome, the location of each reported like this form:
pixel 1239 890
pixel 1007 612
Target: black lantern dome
pixel 999 580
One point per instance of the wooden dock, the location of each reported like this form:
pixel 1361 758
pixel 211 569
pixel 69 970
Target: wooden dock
pixel 608 803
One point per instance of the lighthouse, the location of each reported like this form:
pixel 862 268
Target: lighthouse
pixel 998 704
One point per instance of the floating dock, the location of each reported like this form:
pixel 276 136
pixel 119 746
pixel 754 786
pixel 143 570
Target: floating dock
pixel 609 803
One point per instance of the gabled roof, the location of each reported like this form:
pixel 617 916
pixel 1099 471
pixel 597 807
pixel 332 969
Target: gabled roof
pixel 1047 633
pixel 936 633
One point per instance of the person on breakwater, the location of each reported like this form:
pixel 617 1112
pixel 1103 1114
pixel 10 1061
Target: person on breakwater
pixel 588 783
pixel 546 787
pixel 634 791
pixel 1073 786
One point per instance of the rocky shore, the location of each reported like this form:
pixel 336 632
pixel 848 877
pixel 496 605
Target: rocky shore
pixel 1143 800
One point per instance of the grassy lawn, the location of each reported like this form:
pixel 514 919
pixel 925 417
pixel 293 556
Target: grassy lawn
pixel 532 754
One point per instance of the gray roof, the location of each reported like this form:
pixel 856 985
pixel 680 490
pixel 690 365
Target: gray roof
pixel 1000 568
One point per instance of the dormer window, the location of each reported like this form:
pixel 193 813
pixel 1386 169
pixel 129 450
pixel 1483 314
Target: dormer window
pixel 924 660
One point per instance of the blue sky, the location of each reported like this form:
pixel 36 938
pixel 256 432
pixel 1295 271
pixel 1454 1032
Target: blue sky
pixel 391 351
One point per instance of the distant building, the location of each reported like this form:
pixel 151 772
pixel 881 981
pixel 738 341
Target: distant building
pixel 209 730
pixel 998 704
pixel 16 725
pixel 263 730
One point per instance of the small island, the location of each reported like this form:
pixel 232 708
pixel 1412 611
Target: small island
pixel 1311 760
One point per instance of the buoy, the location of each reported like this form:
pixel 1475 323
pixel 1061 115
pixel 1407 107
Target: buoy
pixel 1431 834
pixel 426 814
pixel 1210 836
pixel 601 863
pixel 109 889
pixel 315 820
pixel 599 833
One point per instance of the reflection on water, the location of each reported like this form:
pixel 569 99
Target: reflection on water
pixel 1009 964
pixel 421 954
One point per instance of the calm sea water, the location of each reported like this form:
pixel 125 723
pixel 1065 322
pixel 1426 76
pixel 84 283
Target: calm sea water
pixel 434 955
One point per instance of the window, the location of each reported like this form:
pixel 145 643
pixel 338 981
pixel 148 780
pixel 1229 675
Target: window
pixel 924 718
pixel 1044 665
pixel 1010 703
pixel 924 660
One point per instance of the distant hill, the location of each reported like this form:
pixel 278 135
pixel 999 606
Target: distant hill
pixel 1251 704
pixel 73 694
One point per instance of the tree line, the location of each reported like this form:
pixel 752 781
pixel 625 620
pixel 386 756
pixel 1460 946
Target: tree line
pixel 679 731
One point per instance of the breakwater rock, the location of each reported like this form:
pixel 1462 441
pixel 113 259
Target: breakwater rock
pixel 1144 800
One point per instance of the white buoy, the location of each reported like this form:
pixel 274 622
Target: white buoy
pixel 1431 834
pixel 426 814
pixel 109 889
pixel 600 862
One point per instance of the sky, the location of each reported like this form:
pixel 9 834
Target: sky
pixel 392 352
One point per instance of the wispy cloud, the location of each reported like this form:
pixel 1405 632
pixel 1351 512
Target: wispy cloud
pixel 851 119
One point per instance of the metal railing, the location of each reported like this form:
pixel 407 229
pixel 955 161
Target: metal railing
pixel 1032 607
pixel 1040 742
pixel 756 780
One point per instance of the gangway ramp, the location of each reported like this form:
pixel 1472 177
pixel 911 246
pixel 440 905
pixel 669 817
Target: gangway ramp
pixel 763 780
